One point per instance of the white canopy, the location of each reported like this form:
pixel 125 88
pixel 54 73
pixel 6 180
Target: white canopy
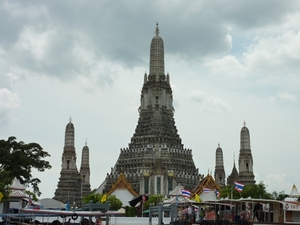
pixel 49 203
pixel 180 199
pixel 176 191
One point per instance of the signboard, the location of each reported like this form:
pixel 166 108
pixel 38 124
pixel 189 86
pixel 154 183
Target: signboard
pixel 291 207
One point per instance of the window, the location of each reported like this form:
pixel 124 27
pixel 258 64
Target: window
pixel 158 185
pixel 170 184
pixel 146 185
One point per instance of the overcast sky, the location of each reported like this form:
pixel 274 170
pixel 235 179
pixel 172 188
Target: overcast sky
pixel 229 62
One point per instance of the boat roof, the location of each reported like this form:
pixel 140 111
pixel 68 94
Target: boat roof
pixel 70 213
pixel 253 200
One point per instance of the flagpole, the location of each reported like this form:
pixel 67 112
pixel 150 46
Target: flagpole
pixel 142 207
pixel 143 200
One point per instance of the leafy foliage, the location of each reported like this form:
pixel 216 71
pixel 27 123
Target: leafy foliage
pixel 115 203
pixel 130 211
pixel 17 160
pixel 32 195
pixel 153 200
pixel 279 196
pixel 94 197
pixel 256 191
pixel 253 191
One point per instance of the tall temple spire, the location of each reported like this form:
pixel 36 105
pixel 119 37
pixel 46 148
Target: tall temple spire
pixel 246 175
pixel 156 123
pixel 155 160
pixel 219 169
pixel 69 185
pixel 85 170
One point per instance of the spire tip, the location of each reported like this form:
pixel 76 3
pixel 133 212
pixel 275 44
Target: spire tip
pixel 157 29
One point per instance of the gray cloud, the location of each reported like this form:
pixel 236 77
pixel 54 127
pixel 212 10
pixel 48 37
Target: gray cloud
pixel 240 56
pixel 8 101
pixel 249 15
pixel 111 31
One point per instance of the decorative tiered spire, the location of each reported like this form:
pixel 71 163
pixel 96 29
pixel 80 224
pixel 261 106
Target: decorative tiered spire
pixel 157 64
pixel 155 159
pixel 219 169
pixel 246 174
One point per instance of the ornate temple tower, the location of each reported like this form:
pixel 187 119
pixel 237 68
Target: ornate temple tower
pixel 85 171
pixel 234 176
pixel 69 184
pixel 246 175
pixel 219 170
pixel 155 160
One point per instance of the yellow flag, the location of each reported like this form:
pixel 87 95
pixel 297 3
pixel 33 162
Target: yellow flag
pixel 197 198
pixel 1 196
pixel 103 199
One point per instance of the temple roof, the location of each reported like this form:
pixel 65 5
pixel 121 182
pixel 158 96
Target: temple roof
pixel 17 194
pixel 122 183
pixel 177 190
pixel 206 182
pixel 16 185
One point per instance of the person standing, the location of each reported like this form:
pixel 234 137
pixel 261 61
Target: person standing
pixel 190 213
pixel 257 207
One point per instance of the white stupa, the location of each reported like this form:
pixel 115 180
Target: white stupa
pixel 294 193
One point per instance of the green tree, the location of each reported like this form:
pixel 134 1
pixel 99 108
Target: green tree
pixel 17 160
pixel 230 192
pixel 130 211
pixel 154 200
pixel 32 195
pixel 94 197
pixel 115 203
pixel 253 191
pixel 256 191
pixel 279 196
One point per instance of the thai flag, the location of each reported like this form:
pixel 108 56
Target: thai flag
pixel 206 190
pixel 30 200
pixel 186 193
pixel 144 198
pixel 217 193
pixel 238 186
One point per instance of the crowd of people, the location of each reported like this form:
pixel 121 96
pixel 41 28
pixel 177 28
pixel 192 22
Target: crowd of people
pixel 191 213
